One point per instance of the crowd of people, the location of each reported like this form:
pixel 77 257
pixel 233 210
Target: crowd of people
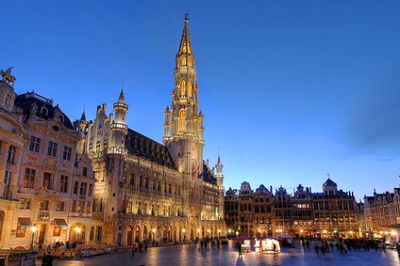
pixel 341 245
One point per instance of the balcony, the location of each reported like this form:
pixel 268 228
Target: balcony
pixel 120 107
pixel 117 150
pixel 119 127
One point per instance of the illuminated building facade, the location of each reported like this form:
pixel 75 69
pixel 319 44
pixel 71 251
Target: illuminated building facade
pixel 47 190
pixel 303 213
pixel 148 190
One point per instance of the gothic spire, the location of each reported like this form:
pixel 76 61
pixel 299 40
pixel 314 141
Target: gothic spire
pixel 186 46
pixel 121 98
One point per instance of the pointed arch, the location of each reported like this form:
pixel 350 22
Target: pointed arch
pixel 182 119
pixel 189 89
pixel 190 61
pixel 183 88
pixel 183 60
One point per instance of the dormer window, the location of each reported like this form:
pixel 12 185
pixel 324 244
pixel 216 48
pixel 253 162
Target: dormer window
pixel 44 111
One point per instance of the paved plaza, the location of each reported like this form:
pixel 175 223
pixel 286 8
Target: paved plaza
pixel 191 255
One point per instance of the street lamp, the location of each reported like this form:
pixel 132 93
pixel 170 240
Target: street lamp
pixel 33 229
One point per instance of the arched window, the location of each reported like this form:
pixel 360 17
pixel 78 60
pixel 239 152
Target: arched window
pixel 183 88
pixel 44 111
pixel 84 172
pixel 182 119
pixel 190 61
pixel 189 89
pixel 183 60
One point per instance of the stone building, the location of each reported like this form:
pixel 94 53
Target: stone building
pixel 382 212
pixel 148 190
pixel 334 212
pixel 48 182
pixel 248 212
pixel 303 213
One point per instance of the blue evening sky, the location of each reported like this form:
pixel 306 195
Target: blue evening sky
pixel 290 90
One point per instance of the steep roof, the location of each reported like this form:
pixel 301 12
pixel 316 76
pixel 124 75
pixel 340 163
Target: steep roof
pixel 329 183
pixel 262 190
pixel 25 101
pixel 142 146
pixel 207 175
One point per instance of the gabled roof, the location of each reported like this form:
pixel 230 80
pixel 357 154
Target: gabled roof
pixel 142 146
pixel 262 190
pixel 207 175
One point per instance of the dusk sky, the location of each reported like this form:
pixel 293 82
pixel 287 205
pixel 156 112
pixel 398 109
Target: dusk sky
pixel 290 90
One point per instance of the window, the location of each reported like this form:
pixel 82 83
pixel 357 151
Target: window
pixel 29 179
pixel 21 231
pixel 52 149
pixel 76 185
pixel 91 234
pixel 183 88
pixel 60 206
pixel 141 181
pixel 64 184
pixel 11 154
pixel 182 119
pixel 67 153
pixel 44 205
pixel 99 233
pixel 47 181
pixel 132 182
pixel 84 172
pixel 34 144
pixel 82 191
pixel 7 182
pixel 88 206
pixel 90 190
pixel 56 230
pixel 25 204
pixel 74 206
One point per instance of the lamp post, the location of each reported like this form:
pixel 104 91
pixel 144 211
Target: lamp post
pixel 33 229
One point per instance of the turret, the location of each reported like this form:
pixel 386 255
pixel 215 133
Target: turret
pixel 219 175
pixel 118 127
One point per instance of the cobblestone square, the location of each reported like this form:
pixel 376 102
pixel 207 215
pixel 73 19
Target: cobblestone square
pixel 191 255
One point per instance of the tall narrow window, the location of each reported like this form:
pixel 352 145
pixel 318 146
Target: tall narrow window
pixel 90 191
pixel 11 154
pixel 52 149
pixel 182 119
pixel 82 191
pixel 67 153
pixel 7 182
pixel 183 88
pixel 76 186
pixel 64 184
pixel 34 144
pixel 29 178
pixel 189 89
pixel 183 60
pixel 47 181
pixel 84 172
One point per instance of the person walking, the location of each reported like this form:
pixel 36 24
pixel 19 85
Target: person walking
pixel 133 249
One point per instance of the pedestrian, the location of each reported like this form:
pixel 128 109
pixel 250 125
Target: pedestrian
pixel 133 249
pixel 240 249
pixel 145 246
pixel 398 248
